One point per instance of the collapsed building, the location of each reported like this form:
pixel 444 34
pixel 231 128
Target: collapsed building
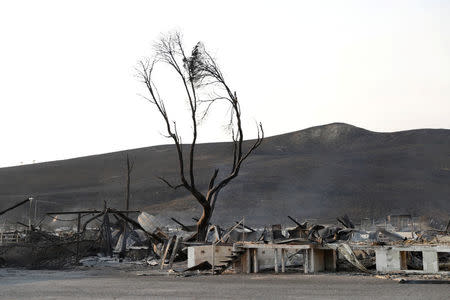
pixel 315 247
pixel 306 247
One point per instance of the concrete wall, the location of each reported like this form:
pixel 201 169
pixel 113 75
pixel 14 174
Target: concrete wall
pixel 317 259
pixel 387 260
pixel 266 258
pixel 198 254
pixel 322 260
pixel 394 259
pixel 430 261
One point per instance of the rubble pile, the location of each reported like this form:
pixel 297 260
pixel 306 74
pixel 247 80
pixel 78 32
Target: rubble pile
pixel 111 236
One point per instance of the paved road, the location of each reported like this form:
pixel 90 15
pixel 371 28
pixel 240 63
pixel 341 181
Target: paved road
pixel 119 284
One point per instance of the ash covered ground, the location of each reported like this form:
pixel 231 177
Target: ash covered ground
pixel 104 282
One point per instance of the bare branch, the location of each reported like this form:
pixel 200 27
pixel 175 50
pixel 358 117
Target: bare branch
pixel 146 73
pixel 235 159
pixel 213 179
pixel 169 184
pixel 235 171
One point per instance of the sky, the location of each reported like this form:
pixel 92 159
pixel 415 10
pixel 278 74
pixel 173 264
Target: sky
pixel 68 85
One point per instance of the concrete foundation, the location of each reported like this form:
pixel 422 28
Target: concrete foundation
pixel 315 258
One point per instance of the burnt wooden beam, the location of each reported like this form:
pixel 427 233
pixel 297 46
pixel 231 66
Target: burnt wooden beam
pixel 295 221
pixel 15 205
pixel 245 227
pixel 178 242
pixel 166 251
pixel 181 224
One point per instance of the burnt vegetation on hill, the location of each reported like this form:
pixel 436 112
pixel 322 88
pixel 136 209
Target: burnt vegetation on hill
pixel 321 171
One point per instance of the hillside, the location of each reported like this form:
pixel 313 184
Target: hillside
pixel 321 171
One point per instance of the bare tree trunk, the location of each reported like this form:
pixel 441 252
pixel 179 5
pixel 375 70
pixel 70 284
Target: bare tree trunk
pixel 202 224
pixel 198 74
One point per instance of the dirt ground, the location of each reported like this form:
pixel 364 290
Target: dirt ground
pixel 135 283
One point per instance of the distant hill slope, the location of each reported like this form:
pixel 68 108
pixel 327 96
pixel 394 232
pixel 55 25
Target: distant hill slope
pixel 322 171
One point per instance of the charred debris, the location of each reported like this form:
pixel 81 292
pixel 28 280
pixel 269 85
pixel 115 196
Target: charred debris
pixel 135 236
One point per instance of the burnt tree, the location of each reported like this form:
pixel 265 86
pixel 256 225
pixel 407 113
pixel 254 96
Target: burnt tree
pixel 203 84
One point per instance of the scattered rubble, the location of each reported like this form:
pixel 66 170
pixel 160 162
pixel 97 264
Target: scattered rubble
pixel 111 237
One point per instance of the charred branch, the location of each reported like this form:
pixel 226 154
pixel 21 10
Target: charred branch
pixel 15 206
pixel 169 184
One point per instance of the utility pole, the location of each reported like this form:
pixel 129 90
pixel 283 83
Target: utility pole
pixel 35 211
pixel 30 212
pixel 129 168
pixel 127 206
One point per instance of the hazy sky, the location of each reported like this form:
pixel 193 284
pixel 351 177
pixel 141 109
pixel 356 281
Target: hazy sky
pixel 68 86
